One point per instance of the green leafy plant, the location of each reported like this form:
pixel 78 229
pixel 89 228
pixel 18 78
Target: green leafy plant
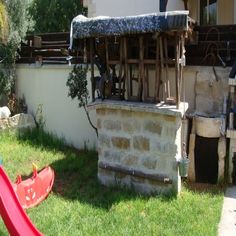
pixel 19 22
pixel 4 27
pixel 77 83
pixel 55 15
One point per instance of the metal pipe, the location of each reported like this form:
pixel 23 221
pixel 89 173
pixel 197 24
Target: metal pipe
pixel 136 173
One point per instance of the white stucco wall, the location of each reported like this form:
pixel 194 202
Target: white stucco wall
pixel 130 7
pixel 174 5
pixel 124 7
pixel 47 85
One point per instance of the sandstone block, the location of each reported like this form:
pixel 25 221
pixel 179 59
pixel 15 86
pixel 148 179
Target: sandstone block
pixel 99 123
pixel 153 127
pixel 100 112
pixel 112 156
pixel 121 142
pixel 149 163
pixel 112 112
pixel 126 114
pixel 104 140
pixel 130 126
pixel 106 177
pixel 166 147
pixel 122 179
pixel 135 179
pixel 120 176
pixel 141 143
pixel 130 160
pixel 162 163
pixel 169 118
pixel 112 125
pixel 169 132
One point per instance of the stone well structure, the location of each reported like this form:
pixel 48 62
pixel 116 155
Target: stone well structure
pixel 139 145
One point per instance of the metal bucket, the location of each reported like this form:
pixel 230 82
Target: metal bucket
pixel 183 167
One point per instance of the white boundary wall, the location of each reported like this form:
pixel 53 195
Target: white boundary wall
pixel 125 8
pixel 47 85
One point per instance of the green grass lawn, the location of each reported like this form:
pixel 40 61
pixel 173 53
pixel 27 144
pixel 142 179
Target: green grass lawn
pixel 79 205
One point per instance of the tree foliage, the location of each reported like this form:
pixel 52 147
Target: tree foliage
pixel 54 15
pixel 19 23
pixel 4 27
pixel 77 83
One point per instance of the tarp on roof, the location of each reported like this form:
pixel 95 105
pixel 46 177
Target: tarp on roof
pixel 83 27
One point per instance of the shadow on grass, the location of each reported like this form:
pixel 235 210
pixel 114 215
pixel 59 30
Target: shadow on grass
pixel 76 179
pixel 76 174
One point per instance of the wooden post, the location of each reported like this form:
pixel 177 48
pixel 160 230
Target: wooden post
pixel 177 53
pixel 162 67
pixel 107 54
pixel 146 78
pixel 157 72
pixel 92 68
pixel 166 67
pixel 120 69
pixel 141 78
pixel 182 49
pixel 126 76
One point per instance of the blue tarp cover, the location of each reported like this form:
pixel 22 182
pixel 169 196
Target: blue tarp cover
pixel 83 27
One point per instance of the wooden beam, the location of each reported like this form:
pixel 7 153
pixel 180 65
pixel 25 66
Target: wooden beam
pixel 157 72
pixel 177 56
pixel 107 54
pixel 182 52
pixel 164 179
pixel 121 95
pixel 142 80
pixel 126 75
pixel 166 66
pixel 162 67
pixel 92 68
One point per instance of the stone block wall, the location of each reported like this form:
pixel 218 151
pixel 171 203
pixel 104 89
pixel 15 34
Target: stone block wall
pixel 136 142
pixel 18 121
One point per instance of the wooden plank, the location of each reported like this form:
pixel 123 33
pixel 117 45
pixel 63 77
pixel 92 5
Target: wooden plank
pixel 113 62
pixel 126 75
pixel 162 67
pixel 54 42
pixel 164 179
pixel 107 54
pixel 182 52
pixel 92 67
pixel 145 61
pixel 133 61
pixel 157 74
pixel 166 66
pixel 121 95
pixel 146 78
pixel 141 80
pixel 177 56
pixel 131 78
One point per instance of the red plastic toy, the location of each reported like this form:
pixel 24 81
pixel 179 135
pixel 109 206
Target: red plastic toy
pixel 34 190
pixel 13 215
